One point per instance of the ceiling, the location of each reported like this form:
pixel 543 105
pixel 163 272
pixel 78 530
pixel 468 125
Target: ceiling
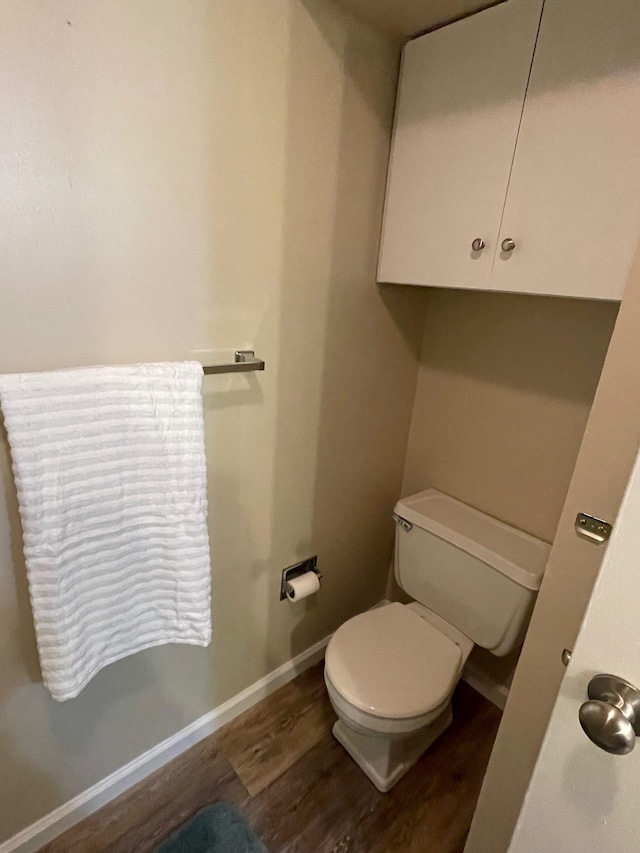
pixel 404 18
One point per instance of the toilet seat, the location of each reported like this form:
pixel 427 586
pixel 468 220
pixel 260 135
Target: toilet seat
pixel 390 664
pixel 369 724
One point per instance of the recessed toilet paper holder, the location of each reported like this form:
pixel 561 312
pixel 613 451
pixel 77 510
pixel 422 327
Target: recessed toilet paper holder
pixel 308 565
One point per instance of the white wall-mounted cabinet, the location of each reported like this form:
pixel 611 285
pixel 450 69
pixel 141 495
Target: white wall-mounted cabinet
pixel 460 101
pixel 552 165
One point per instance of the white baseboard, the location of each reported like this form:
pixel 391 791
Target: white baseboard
pixel 32 838
pixel 494 691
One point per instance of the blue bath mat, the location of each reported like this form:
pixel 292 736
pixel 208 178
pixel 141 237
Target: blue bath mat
pixel 221 828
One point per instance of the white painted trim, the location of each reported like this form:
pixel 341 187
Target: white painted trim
pixel 494 691
pixel 33 837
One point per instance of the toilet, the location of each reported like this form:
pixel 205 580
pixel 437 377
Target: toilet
pixel 390 672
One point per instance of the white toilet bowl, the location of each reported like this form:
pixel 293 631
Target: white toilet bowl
pixel 390 674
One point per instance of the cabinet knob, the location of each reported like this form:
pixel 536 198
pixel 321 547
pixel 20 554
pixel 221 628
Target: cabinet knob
pixel 478 244
pixel 508 245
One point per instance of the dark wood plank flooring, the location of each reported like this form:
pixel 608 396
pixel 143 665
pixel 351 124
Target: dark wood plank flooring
pixel 301 791
pixel 273 735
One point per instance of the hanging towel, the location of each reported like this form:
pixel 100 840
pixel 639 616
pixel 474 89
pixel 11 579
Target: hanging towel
pixel 110 471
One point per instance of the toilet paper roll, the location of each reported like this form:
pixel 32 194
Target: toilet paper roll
pixel 303 586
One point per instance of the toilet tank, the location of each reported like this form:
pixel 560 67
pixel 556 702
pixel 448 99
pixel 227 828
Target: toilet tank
pixel 477 573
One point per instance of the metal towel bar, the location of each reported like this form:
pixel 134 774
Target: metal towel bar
pixel 244 361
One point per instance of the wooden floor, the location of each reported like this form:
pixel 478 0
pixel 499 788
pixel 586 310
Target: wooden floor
pixel 301 791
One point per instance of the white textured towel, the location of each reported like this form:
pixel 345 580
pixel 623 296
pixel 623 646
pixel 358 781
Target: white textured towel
pixel 110 471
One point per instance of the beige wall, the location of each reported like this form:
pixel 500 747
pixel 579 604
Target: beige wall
pixel 505 387
pixel 604 464
pixel 181 179
pixel 504 392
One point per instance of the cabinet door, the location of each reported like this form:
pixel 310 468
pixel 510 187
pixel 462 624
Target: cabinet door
pixel 459 106
pixel 573 204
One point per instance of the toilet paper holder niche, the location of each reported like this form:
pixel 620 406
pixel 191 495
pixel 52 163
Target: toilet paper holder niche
pixel 288 574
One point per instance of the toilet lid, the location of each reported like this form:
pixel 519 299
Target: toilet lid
pixel 392 663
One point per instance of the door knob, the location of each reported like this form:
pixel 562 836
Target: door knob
pixel 508 245
pixel 478 244
pixel 611 719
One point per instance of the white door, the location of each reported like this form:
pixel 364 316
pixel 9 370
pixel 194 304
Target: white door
pixel 459 106
pixel 580 797
pixel 573 204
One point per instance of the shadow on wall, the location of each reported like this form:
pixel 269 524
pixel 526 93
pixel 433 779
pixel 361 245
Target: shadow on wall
pixel 24 635
pixel 588 63
pixel 33 784
pixel 349 428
